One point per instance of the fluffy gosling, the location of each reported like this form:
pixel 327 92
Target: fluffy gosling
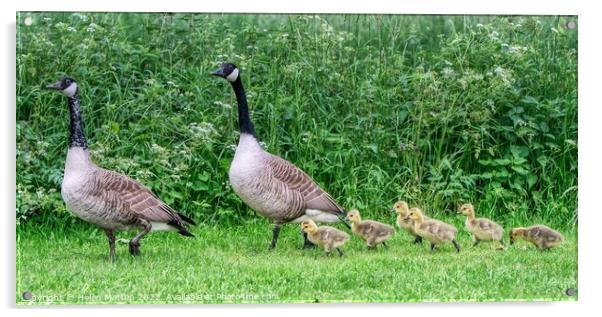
pixel 541 236
pixel 482 229
pixel 435 231
pixel 372 232
pixel 402 210
pixel 327 237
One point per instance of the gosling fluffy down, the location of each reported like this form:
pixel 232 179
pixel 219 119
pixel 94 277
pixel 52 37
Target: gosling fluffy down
pixel 482 229
pixel 373 232
pixel 327 237
pixel 402 210
pixel 541 236
pixel 435 231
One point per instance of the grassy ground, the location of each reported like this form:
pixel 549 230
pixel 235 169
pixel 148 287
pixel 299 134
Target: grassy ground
pixel 232 265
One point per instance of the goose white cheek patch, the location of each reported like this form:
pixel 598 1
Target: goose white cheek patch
pixel 70 91
pixel 233 75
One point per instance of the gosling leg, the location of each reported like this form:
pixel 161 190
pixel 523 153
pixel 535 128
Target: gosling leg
pixel 418 240
pixel 111 237
pixel 385 245
pixel 341 253
pixel 135 243
pixel 476 242
pixel 275 234
pixel 456 245
pixel 432 246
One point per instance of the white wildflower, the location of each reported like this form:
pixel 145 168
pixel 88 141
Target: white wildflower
pixel 92 28
pixel 203 130
pixel 71 29
pixel 223 104
pixel 448 72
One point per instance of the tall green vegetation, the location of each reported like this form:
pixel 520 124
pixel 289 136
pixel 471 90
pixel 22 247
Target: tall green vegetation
pixel 435 110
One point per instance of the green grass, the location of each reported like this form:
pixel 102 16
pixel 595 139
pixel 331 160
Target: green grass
pixel 233 265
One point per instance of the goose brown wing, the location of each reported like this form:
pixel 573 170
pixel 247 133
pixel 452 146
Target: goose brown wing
pixel 294 180
pixel 133 198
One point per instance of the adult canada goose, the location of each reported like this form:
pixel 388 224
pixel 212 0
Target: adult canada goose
pixel 270 185
pixel 105 198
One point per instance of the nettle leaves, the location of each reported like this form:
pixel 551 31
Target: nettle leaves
pixel 513 170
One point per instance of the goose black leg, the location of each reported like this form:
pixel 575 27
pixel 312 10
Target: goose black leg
pixel 418 240
pixel 341 253
pixel 306 243
pixel 456 245
pixel 111 237
pixel 275 234
pixel 135 243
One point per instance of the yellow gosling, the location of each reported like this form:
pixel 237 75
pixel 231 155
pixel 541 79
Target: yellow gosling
pixel 435 231
pixel 541 236
pixel 327 237
pixel 402 210
pixel 482 229
pixel 373 232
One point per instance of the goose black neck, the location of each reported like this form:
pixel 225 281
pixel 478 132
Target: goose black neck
pixel 76 126
pixel 244 120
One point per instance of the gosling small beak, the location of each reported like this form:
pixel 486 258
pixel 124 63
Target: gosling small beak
pixel 393 210
pixel 218 72
pixel 406 218
pixel 55 86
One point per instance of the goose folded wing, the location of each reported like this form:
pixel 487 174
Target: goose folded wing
pixel 136 199
pixel 295 181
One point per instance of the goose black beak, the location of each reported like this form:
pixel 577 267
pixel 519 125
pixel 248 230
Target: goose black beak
pixel 218 72
pixel 55 86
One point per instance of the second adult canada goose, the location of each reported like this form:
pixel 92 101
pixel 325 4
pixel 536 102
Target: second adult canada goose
pixel 105 198
pixel 268 184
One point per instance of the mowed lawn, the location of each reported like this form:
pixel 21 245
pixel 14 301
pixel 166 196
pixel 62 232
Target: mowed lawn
pixel 233 265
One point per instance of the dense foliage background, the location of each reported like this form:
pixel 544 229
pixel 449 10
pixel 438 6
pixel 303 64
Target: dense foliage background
pixel 435 110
